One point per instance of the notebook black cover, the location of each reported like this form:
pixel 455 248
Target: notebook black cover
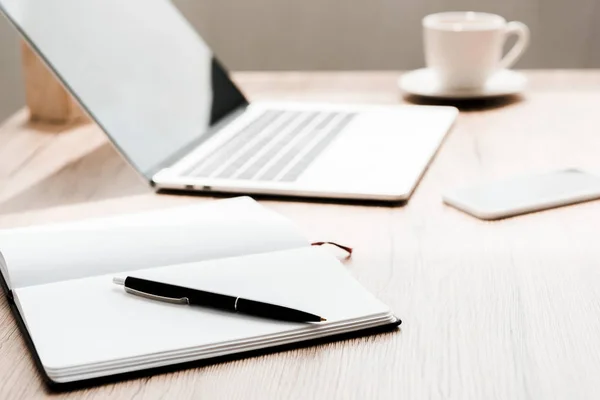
pixel 58 386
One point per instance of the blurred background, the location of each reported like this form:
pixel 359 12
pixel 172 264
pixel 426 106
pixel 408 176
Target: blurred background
pixel 350 35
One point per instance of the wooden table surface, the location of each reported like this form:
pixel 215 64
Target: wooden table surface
pixel 506 310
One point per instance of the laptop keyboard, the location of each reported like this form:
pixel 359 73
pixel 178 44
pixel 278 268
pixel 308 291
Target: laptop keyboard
pixel 276 146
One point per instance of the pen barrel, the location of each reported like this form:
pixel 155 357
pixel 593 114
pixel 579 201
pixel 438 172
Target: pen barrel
pixel 212 300
pixel 174 292
pixel 179 294
pixel 273 311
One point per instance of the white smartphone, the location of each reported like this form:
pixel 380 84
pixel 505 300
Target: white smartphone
pixel 511 197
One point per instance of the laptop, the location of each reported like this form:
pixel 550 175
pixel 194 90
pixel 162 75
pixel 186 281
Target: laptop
pixel 152 84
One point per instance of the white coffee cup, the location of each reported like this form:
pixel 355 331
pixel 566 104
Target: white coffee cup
pixel 464 49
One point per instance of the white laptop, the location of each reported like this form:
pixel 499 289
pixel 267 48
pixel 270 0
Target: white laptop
pixel 153 85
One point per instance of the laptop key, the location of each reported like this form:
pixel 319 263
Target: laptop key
pixel 255 152
pixel 291 153
pixel 316 150
pixel 211 163
pixel 277 147
pixel 260 140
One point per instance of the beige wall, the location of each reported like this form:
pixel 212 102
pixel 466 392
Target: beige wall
pixel 11 93
pixel 380 34
pixel 354 34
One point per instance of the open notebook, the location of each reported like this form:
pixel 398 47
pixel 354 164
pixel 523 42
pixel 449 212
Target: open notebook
pixel 84 329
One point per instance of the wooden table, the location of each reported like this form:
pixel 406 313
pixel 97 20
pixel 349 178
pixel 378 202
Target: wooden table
pixel 507 310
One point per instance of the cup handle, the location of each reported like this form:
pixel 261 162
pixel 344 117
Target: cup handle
pixel 522 32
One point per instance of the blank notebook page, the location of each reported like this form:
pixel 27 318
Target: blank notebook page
pixel 205 231
pixel 88 321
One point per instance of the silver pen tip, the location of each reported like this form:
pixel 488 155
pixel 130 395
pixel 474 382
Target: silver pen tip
pixel 119 281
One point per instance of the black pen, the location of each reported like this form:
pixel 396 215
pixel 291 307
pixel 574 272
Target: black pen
pixel 182 295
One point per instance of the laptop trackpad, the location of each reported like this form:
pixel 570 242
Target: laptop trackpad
pixel 380 151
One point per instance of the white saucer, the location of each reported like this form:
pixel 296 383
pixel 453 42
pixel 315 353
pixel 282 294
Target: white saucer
pixel 423 82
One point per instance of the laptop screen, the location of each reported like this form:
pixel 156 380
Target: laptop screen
pixel 138 68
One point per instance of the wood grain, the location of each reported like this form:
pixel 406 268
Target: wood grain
pixel 491 310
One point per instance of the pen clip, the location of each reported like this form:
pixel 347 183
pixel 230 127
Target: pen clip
pixel 181 300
